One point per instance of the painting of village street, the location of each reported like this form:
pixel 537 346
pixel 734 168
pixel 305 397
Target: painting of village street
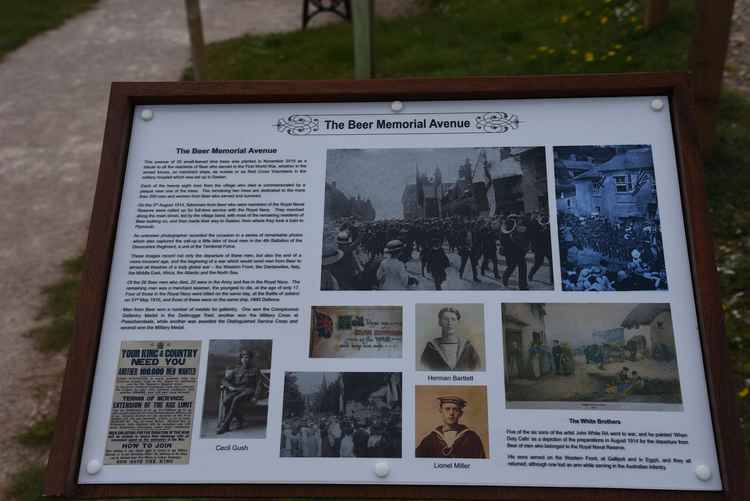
pixel 436 219
pixel 608 219
pixel 583 355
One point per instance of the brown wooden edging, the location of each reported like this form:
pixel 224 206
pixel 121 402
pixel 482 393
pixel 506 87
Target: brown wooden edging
pixel 64 462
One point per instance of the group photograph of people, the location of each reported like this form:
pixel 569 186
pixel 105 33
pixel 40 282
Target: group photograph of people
pixel 348 414
pixel 480 221
pixel 608 219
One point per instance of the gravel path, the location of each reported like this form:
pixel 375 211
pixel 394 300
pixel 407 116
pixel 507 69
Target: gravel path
pixel 52 112
pixel 737 70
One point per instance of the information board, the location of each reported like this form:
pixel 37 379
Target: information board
pixel 398 289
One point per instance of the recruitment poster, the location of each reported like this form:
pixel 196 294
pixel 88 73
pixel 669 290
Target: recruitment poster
pixel 490 293
pixel 153 403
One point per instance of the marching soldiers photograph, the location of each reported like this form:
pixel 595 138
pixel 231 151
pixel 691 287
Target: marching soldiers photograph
pixel 480 221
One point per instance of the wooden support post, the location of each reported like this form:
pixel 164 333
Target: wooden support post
pixel 656 13
pixel 362 24
pixel 197 45
pixel 707 57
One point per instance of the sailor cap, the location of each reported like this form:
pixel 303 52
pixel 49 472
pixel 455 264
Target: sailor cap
pixel 452 399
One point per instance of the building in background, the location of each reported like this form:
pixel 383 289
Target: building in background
pixel 654 322
pixel 615 335
pixel 527 351
pixel 338 205
pixel 499 181
pixel 621 188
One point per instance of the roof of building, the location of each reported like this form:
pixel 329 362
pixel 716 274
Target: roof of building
pixel 509 318
pixel 643 314
pixel 635 159
pixel 569 163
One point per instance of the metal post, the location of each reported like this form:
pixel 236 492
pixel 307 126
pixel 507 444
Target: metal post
pixel 362 24
pixel 197 46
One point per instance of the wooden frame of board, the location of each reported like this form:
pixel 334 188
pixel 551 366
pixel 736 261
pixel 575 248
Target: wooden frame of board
pixel 64 460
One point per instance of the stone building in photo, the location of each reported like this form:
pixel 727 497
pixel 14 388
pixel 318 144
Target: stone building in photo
pixel 621 188
pixel 525 342
pixel 498 181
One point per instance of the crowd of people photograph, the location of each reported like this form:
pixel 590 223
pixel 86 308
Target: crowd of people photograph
pixel 448 253
pixel 481 224
pixel 330 414
pixel 608 219
pixel 600 255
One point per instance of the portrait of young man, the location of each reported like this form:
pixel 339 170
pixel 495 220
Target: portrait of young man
pixel 237 385
pixel 452 438
pixel 459 345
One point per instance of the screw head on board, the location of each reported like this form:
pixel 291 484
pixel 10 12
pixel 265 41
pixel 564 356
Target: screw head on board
pixel 93 467
pixel 703 472
pixel 382 469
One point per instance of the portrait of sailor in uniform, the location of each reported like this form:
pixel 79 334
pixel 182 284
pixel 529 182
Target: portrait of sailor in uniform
pixel 451 439
pixel 451 351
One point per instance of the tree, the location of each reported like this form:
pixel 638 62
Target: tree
pixel 294 404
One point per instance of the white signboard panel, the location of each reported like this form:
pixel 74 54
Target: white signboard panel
pixel 473 292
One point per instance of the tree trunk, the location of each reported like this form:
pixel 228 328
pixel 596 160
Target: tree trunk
pixel 707 57
pixel 656 13
pixel 197 46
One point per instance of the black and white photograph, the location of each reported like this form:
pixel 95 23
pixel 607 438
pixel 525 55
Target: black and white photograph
pixel 436 219
pixel 449 337
pixel 238 378
pixel 587 355
pixel 342 415
pixel 608 219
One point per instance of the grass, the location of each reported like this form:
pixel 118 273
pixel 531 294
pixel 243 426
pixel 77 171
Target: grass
pixel 38 434
pixel 26 485
pixel 727 180
pixel 22 19
pixel 58 310
pixel 466 37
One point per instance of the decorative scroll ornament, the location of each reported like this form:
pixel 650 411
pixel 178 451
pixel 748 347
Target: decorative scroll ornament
pixel 497 121
pixel 297 125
